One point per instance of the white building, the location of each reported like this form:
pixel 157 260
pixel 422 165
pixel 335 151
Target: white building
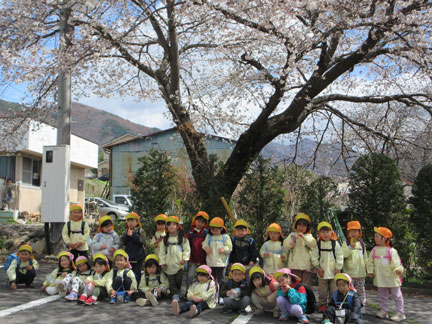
pixel 21 164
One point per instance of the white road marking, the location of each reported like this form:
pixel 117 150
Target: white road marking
pixel 1 267
pixel 31 304
pixel 242 319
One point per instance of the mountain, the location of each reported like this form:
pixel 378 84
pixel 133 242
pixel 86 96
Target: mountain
pixel 91 123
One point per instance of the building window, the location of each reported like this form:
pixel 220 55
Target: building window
pixel 31 171
pixel 7 168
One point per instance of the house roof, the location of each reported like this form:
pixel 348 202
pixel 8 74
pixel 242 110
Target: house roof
pixel 106 146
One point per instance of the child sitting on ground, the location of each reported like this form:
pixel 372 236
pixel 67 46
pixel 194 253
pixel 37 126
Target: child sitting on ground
pixel 76 232
pixel 299 244
pixel 134 243
pixel 160 233
pixel 75 284
pixel 264 290
pixel 196 237
pixel 121 281
pixel 153 282
pixel 54 281
pixel 106 240
pixel 202 294
pixel 272 250
pixel 344 298
pixel 244 248
pixel 237 294
pixel 22 267
pixel 291 296
pixel 327 258
pixel 95 284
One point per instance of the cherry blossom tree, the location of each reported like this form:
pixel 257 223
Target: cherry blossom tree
pixel 253 70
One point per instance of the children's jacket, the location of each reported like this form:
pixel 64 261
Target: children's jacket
pixel 327 261
pixel 354 314
pixel 150 282
pixel 153 240
pixel 111 240
pixel 57 274
pixel 207 291
pixel 273 262
pixel 383 268
pixel 216 259
pixel 173 254
pixel 296 295
pixel 129 273
pixel 84 275
pixel 76 235
pixel 134 245
pixel 196 238
pixel 244 250
pixel 242 285
pixel 268 292
pixel 11 271
pixel 99 279
pixel 354 260
pixel 299 257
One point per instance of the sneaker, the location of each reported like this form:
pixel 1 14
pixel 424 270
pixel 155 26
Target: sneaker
pixel 82 299
pixel 90 301
pixel 243 311
pixel 151 298
pixel 304 320
pixel 322 309
pixel 175 307
pixel 398 317
pixel 127 299
pixel 258 311
pixel 276 312
pixel 283 317
pixel 382 314
pixel 221 301
pixel 13 286
pixel 113 300
pixel 141 301
pixel 326 321
pixel 62 289
pixel 72 296
pixel 193 311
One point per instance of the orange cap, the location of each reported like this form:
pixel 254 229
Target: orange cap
pixel 202 214
pixel 133 215
pixel 274 227
pixel 384 231
pixel 354 225
pixel 217 222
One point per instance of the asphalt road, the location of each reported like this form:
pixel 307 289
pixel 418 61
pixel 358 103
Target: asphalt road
pixel 418 310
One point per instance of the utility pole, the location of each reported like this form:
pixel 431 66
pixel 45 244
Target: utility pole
pixel 53 231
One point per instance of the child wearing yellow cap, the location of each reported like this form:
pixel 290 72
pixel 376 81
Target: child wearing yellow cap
pixel 173 254
pixel 272 251
pixel 54 281
pixel 202 294
pixel 237 293
pixel 122 280
pixel 21 267
pixel 244 249
pixel 196 236
pixel 133 241
pixel 106 240
pixel 355 258
pixel 155 242
pixel 384 265
pixel 327 258
pixel 74 282
pixel 153 284
pixel 264 292
pixel 346 299
pixel 218 246
pixel 76 232
pixel 95 284
pixel 299 245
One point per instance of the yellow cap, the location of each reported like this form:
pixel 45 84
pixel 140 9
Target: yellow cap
pixel 160 217
pixel 238 266
pixel 324 224
pixel 152 257
pixel 120 252
pixel 26 247
pixel 254 270
pixel 241 222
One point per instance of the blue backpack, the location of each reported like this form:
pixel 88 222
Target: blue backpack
pixel 349 299
pixel 12 257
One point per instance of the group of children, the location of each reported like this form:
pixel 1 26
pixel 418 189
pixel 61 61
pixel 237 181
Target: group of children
pixel 281 285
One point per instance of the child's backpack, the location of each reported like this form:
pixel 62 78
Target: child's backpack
pixel 361 243
pixel 387 256
pixel 12 257
pixel 333 248
pixel 147 278
pixel 310 299
pixel 212 283
pixel 224 238
pixel 75 232
pixel 349 299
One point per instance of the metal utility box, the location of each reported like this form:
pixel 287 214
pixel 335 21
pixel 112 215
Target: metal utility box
pixel 55 183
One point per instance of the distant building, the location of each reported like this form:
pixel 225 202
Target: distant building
pixel 21 165
pixel 124 155
pixel 104 165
